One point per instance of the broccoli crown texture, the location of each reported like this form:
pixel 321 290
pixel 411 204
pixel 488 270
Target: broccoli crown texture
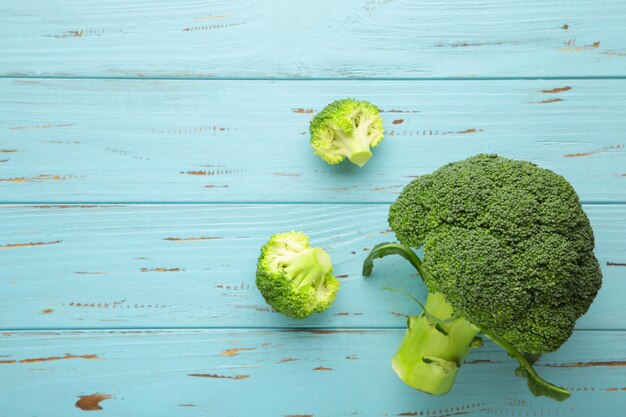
pixel 508 245
pixel 294 278
pixel 346 128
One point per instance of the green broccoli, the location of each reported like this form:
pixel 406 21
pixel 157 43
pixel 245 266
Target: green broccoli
pixel 508 252
pixel 346 128
pixel 294 278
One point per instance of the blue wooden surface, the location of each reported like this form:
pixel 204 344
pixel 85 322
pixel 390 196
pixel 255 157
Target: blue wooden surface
pixel 124 266
pixel 279 373
pixel 234 141
pixel 132 209
pixel 305 39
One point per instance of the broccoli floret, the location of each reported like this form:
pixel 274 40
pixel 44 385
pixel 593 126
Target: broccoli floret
pixel 294 278
pixel 508 247
pixel 346 128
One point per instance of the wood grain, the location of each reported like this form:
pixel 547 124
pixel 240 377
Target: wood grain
pixel 177 373
pixel 283 38
pixel 201 109
pixel 86 141
pixel 194 265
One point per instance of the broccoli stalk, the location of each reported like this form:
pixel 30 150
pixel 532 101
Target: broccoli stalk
pixel 438 340
pixel 294 278
pixel 432 351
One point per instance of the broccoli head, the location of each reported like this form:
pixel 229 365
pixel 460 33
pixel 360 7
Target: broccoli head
pixel 294 278
pixel 508 247
pixel 346 128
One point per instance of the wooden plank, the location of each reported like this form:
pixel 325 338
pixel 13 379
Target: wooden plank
pixel 194 265
pixel 358 38
pixel 225 141
pixel 239 372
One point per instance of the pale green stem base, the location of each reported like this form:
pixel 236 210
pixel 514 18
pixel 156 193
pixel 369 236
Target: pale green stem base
pixel 310 268
pixel 356 147
pixel 432 353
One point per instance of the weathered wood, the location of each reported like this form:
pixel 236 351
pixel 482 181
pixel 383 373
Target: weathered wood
pixel 224 141
pixel 281 372
pixel 283 38
pixel 182 328
pixel 194 265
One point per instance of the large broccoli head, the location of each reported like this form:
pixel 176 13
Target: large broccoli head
pixel 294 278
pixel 346 128
pixel 508 245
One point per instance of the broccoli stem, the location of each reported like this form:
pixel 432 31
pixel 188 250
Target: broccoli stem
pixel 311 267
pixel 356 146
pixel 436 342
pixel 383 249
pixel 432 352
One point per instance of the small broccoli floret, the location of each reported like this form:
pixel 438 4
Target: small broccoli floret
pixel 294 278
pixel 346 128
pixel 508 246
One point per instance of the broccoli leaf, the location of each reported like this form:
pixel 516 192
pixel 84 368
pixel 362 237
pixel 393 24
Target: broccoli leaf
pixel 383 249
pixel 536 384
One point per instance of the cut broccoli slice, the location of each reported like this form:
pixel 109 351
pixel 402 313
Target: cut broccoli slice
pixel 346 128
pixel 294 278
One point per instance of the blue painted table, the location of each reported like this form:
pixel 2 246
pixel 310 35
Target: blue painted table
pixel 149 148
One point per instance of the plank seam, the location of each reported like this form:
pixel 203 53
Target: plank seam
pixel 27 204
pixel 297 79
pixel 210 328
